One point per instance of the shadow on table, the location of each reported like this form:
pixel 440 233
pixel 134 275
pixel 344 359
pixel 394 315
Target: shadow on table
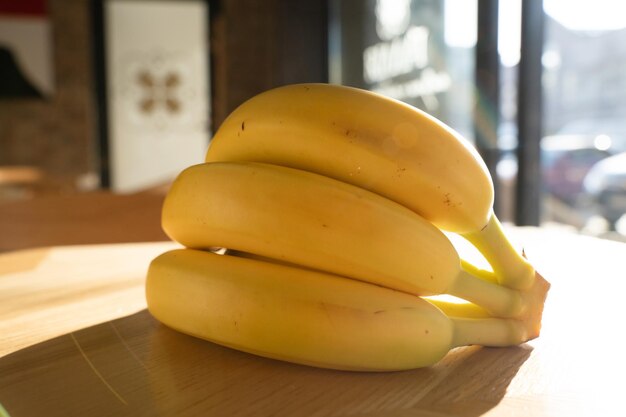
pixel 135 366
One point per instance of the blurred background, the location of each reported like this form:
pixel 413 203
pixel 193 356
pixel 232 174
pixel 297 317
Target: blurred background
pixel 120 95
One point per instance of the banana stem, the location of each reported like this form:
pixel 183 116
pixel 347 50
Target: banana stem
pixel 510 266
pixel 499 301
pixel 525 307
pixel 478 272
pixel 456 308
pixel 488 332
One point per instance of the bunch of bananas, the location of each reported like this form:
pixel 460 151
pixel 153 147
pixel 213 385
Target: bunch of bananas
pixel 313 233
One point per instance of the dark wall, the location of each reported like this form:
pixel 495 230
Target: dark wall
pixel 56 133
pixel 260 44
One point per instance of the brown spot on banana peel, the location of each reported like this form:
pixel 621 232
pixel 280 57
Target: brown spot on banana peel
pixel 447 200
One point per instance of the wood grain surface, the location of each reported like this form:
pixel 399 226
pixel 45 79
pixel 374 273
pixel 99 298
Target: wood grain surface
pixel 76 340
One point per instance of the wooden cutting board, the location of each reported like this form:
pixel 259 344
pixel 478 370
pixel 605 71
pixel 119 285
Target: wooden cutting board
pixel 76 340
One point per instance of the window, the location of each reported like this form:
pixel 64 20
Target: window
pixel 420 52
pixel 584 81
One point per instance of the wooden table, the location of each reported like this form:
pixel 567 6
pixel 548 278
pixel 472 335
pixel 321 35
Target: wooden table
pixel 76 340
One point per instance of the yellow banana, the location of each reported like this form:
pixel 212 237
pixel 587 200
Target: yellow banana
pixel 450 306
pixel 317 222
pixel 379 144
pixel 307 316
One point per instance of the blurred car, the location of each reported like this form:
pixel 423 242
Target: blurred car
pixel 568 155
pixel 605 184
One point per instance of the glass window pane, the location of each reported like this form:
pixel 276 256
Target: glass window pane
pixel 420 52
pixel 584 147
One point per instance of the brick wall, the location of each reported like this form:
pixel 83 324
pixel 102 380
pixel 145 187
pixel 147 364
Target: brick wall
pixel 57 134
